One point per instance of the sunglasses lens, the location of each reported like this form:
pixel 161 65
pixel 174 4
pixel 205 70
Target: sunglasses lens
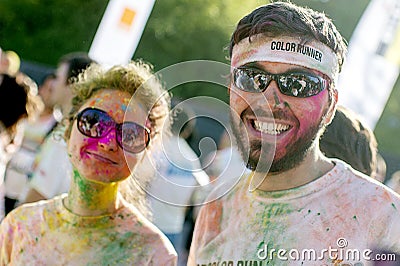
pixel 250 81
pixel 301 85
pixel 93 123
pixel 133 137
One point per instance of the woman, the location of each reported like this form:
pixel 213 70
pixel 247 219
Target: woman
pixel 107 137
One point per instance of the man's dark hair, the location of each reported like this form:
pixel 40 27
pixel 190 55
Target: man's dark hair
pixel 287 19
pixel 77 62
pixel 47 75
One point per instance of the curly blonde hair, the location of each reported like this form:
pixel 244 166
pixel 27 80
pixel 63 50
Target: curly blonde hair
pixel 135 78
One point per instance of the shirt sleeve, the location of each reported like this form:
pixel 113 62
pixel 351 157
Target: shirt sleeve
pixel 207 227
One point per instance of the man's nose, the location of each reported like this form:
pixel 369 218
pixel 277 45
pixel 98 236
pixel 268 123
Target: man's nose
pixel 273 95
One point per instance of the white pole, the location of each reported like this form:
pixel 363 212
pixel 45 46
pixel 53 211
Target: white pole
pixel 372 66
pixel 120 31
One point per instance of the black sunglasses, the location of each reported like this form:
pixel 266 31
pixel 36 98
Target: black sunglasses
pixel 96 123
pixel 294 84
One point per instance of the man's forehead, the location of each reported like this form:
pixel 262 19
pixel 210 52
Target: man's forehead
pixel 290 50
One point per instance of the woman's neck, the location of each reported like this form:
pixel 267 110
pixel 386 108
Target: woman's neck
pixel 88 198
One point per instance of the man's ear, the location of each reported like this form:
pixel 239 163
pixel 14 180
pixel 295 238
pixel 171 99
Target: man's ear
pixel 330 113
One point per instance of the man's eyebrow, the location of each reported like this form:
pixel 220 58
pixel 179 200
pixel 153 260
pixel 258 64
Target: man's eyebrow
pixel 255 65
pixel 294 68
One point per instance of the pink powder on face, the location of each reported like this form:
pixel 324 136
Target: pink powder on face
pixel 87 142
pixel 309 113
pixel 118 108
pixel 92 145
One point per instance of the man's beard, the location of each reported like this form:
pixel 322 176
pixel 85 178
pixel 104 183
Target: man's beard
pixel 259 156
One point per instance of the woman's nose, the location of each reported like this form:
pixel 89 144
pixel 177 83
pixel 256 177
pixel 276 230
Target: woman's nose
pixel 109 141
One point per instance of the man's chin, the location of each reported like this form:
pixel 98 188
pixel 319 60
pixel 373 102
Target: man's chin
pixel 256 165
pixel 275 167
pixel 280 165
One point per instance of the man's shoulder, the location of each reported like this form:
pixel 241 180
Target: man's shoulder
pixel 227 188
pixel 348 174
pixel 366 189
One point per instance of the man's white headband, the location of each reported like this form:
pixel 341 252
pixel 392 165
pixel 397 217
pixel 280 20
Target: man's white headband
pixel 314 55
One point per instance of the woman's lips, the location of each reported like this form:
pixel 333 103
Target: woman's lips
pixel 101 157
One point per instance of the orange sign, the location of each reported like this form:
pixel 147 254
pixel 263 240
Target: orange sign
pixel 127 16
pixel 119 31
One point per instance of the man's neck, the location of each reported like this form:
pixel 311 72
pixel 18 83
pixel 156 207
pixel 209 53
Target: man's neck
pixel 314 165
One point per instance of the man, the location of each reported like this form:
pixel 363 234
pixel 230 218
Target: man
pixel 51 167
pixel 297 207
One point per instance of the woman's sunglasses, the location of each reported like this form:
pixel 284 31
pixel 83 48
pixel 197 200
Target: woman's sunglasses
pixel 294 84
pixel 96 123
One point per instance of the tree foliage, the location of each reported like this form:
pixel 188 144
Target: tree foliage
pixel 179 30
pixel 44 30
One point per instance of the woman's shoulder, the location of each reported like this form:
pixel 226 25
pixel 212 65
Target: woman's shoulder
pixel 135 219
pixel 32 214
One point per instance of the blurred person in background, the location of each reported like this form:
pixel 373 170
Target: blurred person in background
pixel 18 101
pixel 20 167
pixel 351 140
pixel 178 173
pixel 226 160
pixel 52 159
pixel 46 89
pixel 394 182
pixel 102 220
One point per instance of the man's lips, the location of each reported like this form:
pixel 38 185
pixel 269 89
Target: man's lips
pixel 101 157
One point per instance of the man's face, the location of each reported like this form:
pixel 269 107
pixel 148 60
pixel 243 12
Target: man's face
pixel 61 92
pixel 46 91
pixel 270 120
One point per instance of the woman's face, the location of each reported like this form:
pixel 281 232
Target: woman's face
pixel 102 159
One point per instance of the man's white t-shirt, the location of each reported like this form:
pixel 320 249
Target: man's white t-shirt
pixel 343 210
